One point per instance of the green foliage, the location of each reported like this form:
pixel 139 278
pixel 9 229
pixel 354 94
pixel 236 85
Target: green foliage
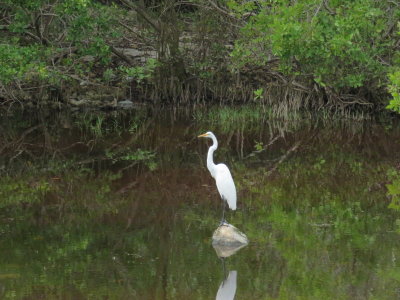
pixel 145 156
pixel 259 146
pixel 394 85
pixel 228 118
pixel 98 125
pixel 22 63
pixel 394 89
pixel 140 73
pixel 108 75
pixel 19 192
pixel 394 189
pixel 41 31
pixel 319 164
pixel 337 46
pixel 258 94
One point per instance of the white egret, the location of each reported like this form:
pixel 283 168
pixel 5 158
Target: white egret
pixel 222 175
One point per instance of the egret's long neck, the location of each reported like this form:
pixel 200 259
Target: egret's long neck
pixel 210 159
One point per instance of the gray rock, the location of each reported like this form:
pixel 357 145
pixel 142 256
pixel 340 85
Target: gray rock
pixel 135 53
pixel 126 104
pixel 87 58
pixel 76 102
pixel 229 238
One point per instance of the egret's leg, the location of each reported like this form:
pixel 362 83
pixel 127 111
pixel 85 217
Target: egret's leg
pixel 223 221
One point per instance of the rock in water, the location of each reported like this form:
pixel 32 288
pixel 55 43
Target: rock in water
pixel 227 240
pixel 224 251
pixel 228 235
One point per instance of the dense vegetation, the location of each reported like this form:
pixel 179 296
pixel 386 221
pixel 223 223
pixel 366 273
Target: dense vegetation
pixel 286 54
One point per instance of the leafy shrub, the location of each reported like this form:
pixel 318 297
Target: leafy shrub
pixel 394 86
pixel 49 39
pixel 18 62
pixel 394 89
pixel 340 46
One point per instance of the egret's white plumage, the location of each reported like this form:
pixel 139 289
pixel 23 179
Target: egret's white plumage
pixel 222 175
pixel 225 185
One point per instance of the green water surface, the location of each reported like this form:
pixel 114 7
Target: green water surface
pixel 121 205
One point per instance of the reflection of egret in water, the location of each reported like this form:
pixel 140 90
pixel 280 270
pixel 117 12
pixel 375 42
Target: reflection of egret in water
pixel 224 251
pixel 227 289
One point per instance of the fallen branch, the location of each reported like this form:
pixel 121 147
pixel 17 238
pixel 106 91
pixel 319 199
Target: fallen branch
pixel 284 157
pixel 139 10
pixel 122 56
pixel 294 148
pixel 24 134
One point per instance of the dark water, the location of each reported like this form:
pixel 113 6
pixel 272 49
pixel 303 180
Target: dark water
pixel 121 206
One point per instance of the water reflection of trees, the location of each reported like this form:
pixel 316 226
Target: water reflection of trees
pixel 106 137
pixel 75 211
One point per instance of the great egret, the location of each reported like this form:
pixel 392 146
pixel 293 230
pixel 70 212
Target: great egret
pixel 222 175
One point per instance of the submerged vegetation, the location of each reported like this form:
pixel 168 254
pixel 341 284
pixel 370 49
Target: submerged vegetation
pixel 288 56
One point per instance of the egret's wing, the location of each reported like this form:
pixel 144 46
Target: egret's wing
pixel 226 186
pixel 227 289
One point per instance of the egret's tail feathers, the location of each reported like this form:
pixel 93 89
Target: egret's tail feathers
pixel 231 203
pixel 232 206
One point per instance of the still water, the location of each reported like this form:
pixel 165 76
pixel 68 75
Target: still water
pixel 121 206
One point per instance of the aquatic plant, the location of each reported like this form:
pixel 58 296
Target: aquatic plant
pixel 227 118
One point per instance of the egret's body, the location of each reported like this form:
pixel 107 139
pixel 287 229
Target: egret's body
pixel 222 175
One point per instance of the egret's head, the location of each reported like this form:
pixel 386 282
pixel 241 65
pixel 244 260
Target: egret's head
pixel 208 134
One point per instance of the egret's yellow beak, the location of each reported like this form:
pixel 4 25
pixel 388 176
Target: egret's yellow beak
pixel 203 135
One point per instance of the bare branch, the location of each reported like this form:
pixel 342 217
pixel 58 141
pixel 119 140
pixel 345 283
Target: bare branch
pixel 124 57
pixel 142 12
